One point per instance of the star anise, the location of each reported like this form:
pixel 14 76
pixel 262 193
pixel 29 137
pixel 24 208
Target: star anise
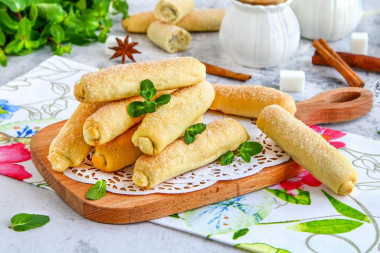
pixel 124 49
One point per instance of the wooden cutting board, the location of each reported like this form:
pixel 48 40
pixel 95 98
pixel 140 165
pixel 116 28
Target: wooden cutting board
pixel 331 106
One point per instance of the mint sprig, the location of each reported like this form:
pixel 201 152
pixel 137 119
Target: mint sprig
pixel 192 131
pixel 97 191
pixel 147 91
pixel 227 158
pixel 24 221
pixel 246 151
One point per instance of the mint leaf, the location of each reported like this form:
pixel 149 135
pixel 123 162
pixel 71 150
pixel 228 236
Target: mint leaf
pixel 3 61
pixel 23 221
pixel 163 99
pixel 248 149
pixel 147 90
pixel 240 233
pixel 57 32
pixel 189 138
pixel 136 109
pixel 192 131
pixel 97 191
pixel 378 132
pixel 15 5
pixel 150 106
pixel 227 158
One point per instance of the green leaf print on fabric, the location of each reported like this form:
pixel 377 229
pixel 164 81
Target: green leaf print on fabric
pixel 230 215
pixel 240 233
pixel 329 226
pixel 346 210
pixel 303 197
pixel 260 248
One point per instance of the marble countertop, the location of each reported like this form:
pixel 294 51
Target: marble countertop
pixel 71 233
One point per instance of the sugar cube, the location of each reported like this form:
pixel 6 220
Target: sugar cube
pixel 111 42
pixel 359 43
pixel 292 80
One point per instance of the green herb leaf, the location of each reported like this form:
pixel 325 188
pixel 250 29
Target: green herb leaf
pixel 3 61
pixel 302 198
pixel 120 6
pixel 33 13
pixel 23 221
pixel 163 99
pixel 192 131
pixel 150 106
pixel 15 5
pixel 97 191
pixel 14 46
pixel 24 29
pixel 328 226
pixel 147 90
pixel 57 32
pixel 248 149
pixel 227 158
pixel 51 11
pixel 378 132
pixel 136 109
pixel 2 111
pixel 2 37
pixel 7 23
pixel 240 233
pixel 260 247
pixel 346 210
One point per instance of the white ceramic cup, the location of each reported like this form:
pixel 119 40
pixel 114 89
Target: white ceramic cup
pixel 329 19
pixel 259 36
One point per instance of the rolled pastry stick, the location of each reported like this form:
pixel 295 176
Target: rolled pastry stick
pixel 169 37
pixel 171 11
pixel 112 120
pixel 109 122
pixel 164 126
pixel 122 81
pixel 120 152
pixel 68 149
pixel 219 137
pixel 309 149
pixel 202 20
pixel 249 100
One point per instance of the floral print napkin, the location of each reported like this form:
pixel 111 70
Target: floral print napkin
pixel 297 215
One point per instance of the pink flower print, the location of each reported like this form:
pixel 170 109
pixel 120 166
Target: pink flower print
pixel 298 182
pixel 329 135
pixel 14 153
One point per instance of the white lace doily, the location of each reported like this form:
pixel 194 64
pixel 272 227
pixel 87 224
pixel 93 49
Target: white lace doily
pixel 121 181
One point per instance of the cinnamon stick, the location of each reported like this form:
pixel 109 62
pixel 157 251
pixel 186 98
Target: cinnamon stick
pixel 359 61
pixel 218 71
pixel 335 61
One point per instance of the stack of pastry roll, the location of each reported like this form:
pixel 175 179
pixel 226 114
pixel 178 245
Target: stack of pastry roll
pixel 168 26
pixel 154 141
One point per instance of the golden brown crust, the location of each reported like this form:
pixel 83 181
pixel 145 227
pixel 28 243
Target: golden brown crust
pixel 68 149
pixel 202 20
pixel 123 81
pixel 219 137
pixel 171 11
pixel 249 100
pixel 169 37
pixel 109 122
pixel 162 127
pixel 309 149
pixel 118 153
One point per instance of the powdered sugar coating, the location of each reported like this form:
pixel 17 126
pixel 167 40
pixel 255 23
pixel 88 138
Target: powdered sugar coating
pixel 122 81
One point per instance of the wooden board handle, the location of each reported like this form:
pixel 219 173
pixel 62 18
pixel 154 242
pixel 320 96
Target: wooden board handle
pixel 342 104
